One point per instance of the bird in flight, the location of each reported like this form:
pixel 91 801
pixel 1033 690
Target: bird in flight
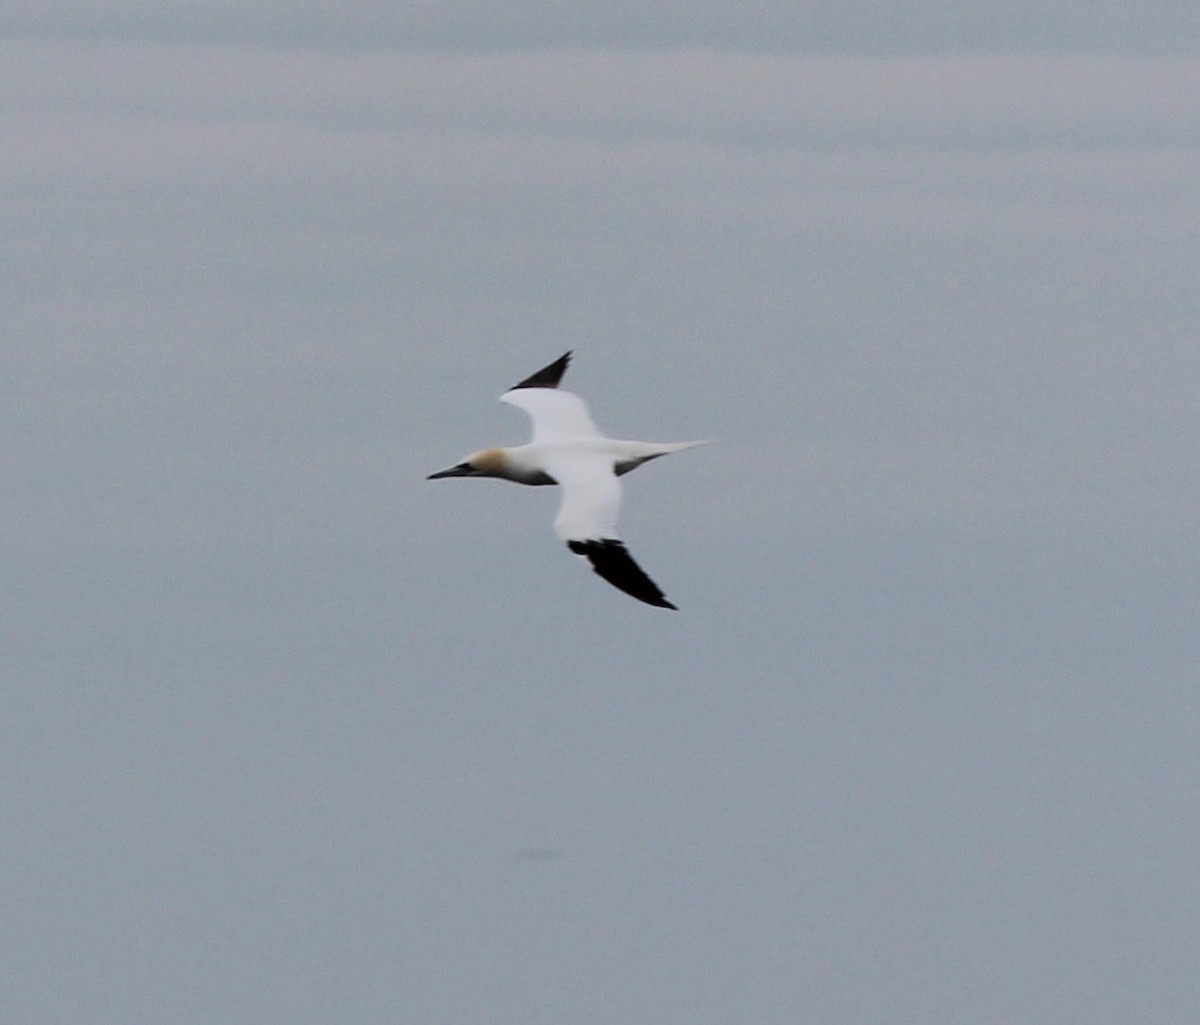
pixel 568 449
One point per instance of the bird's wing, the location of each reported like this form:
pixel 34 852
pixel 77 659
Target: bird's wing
pixel 591 495
pixel 557 415
pixel 587 522
pixel 548 376
pixel 612 562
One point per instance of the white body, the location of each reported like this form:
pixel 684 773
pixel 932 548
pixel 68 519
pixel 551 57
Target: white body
pixel 569 450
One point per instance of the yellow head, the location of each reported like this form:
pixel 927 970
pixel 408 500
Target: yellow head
pixel 488 462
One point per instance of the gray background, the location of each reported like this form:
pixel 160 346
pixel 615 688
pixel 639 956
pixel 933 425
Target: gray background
pixel 292 736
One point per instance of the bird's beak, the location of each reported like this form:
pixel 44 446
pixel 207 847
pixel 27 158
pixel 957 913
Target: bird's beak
pixel 461 470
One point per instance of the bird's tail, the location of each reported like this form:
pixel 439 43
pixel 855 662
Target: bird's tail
pixel 634 453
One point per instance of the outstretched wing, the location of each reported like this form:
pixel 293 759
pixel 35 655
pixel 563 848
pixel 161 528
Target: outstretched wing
pixel 591 496
pixel 587 522
pixel 548 376
pixel 612 561
pixel 557 415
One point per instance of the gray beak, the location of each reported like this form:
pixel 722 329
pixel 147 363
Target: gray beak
pixel 461 470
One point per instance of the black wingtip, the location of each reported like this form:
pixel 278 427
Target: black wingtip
pixel 611 561
pixel 547 377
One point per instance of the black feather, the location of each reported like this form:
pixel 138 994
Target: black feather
pixel 547 377
pixel 611 560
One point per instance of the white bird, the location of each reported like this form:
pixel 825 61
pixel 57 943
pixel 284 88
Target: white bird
pixel 568 449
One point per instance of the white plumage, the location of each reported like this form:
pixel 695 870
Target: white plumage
pixel 568 449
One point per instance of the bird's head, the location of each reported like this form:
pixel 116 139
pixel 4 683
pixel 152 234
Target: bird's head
pixel 487 463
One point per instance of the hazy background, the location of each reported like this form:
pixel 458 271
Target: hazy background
pixel 292 736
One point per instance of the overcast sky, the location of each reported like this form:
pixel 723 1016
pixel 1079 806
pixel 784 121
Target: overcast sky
pixel 292 736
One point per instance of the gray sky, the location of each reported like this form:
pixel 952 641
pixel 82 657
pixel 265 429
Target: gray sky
pixel 292 736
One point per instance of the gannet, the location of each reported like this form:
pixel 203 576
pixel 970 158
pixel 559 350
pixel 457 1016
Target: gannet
pixel 568 449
